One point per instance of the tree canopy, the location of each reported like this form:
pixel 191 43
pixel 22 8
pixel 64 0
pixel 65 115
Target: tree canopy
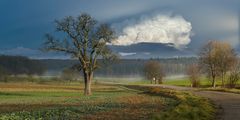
pixel 84 39
pixel 216 58
pixel 153 71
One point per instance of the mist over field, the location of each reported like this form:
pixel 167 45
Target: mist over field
pixel 124 67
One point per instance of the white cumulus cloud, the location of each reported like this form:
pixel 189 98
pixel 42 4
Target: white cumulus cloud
pixel 126 54
pixel 158 28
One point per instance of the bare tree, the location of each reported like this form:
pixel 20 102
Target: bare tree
pixel 153 71
pixel 226 58
pixel 208 60
pixel 217 58
pixel 85 40
pixel 193 72
pixel 234 75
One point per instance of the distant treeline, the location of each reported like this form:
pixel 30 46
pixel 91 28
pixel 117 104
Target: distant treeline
pixel 16 65
pixel 125 67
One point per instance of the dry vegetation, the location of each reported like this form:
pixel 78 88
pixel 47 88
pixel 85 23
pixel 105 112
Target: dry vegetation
pixel 109 102
pixel 35 101
pixel 184 106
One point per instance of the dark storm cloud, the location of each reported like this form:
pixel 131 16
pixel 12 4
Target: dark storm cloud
pixel 23 23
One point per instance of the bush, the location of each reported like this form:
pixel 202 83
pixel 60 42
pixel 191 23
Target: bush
pixel 193 72
pixel 233 79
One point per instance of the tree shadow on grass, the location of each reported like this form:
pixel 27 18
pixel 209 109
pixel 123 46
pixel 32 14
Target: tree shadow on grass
pixel 13 94
pixel 109 91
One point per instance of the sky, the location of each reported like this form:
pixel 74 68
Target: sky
pixel 145 28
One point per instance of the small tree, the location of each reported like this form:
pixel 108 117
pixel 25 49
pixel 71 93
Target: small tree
pixel 153 72
pixel 86 41
pixel 216 58
pixel 234 75
pixel 226 59
pixel 208 60
pixel 193 72
pixel 233 79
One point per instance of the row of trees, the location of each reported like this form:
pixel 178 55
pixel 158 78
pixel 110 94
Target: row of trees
pixel 216 60
pixel 126 67
pixel 18 65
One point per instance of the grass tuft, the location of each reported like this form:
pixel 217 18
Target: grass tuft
pixel 185 106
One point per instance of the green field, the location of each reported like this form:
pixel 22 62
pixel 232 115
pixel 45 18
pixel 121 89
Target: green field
pixel 204 82
pixel 34 100
pixel 54 101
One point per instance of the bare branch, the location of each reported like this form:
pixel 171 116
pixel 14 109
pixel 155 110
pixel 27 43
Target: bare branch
pixel 84 39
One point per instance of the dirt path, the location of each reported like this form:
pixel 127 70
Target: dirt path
pixel 229 103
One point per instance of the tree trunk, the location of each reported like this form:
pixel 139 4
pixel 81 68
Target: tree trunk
pixel 87 83
pixel 223 82
pixel 88 89
pixel 213 82
pixel 213 72
pixel 160 81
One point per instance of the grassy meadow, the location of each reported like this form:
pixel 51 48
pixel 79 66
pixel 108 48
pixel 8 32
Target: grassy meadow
pixel 204 81
pixel 65 101
pixel 58 101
